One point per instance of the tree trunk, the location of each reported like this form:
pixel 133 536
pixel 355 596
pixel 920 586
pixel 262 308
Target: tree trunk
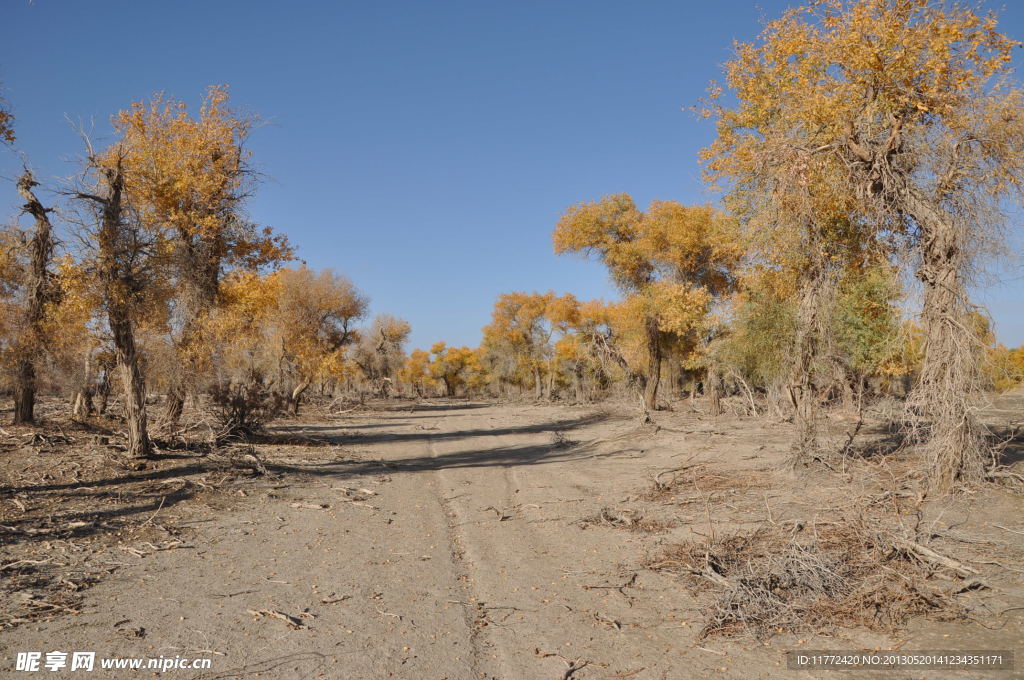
pixel 134 387
pixel 803 389
pixel 296 397
pixel 538 385
pixel 714 387
pixel 83 406
pixel 118 281
pixel 38 285
pixel 845 383
pixel 551 380
pixel 199 264
pixel 24 392
pixel 955 443
pixel 104 391
pixel 674 375
pixel 175 404
pixel 650 395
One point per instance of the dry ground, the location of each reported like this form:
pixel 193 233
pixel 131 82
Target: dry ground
pixel 467 541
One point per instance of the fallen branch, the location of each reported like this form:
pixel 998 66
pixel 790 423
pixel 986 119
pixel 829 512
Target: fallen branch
pixel 18 563
pixel 930 555
pixel 292 621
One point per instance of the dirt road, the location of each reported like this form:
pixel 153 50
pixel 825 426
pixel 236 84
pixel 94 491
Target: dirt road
pixel 459 541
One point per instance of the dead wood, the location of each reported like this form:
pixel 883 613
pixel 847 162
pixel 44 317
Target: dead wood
pixel 779 578
pixel 293 622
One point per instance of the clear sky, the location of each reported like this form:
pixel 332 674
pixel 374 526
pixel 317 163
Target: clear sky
pixel 424 149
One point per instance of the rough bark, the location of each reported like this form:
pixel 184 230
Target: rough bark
pixel 39 290
pixel 650 397
pixel 550 387
pixel 24 392
pixel 174 406
pixel 199 259
pixel 803 389
pixel 133 384
pixel 955 443
pixel 103 391
pixel 83 404
pixel 118 284
pixel 957 446
pixel 714 387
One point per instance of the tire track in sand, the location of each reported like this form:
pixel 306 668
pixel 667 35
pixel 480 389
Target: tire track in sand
pixel 474 615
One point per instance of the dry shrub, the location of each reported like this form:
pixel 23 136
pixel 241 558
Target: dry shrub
pixel 632 520
pixel 237 457
pixel 792 580
pixel 240 410
pixel 698 479
pixel 559 440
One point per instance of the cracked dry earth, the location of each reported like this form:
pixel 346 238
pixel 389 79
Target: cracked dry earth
pixel 445 541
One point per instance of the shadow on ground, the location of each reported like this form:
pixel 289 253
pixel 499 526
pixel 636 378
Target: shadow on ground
pixel 141 492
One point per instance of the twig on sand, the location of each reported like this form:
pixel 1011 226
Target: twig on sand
pixel 159 508
pixel 18 563
pixel 310 506
pixel 931 556
pixel 573 665
pixel 396 616
pixel 293 622
pixel 1012 531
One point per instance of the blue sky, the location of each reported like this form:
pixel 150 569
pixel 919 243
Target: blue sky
pixel 424 149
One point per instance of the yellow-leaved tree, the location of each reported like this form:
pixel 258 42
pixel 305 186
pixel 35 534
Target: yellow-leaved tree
pixel 457 368
pixel 310 325
pixel 416 372
pixel 853 118
pixel 517 343
pixel 188 178
pixel 670 262
pixel 380 352
pixel 276 335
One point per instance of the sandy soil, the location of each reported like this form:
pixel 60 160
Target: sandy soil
pixel 437 540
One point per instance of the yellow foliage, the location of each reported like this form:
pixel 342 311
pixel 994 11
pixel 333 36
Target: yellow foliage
pixel 6 126
pixel 416 371
pixel 292 324
pixel 670 241
pixel 671 263
pixel 831 80
pixel 908 352
pixel 188 177
pixel 457 367
pixel 394 330
pixel 70 323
